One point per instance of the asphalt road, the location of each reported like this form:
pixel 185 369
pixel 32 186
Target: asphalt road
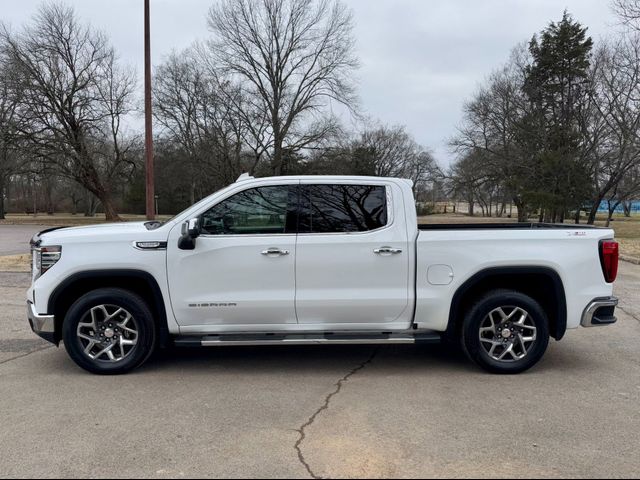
pixel 14 239
pixel 323 411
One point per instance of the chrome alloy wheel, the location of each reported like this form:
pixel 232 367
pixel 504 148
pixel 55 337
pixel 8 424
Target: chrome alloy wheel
pixel 108 333
pixel 508 333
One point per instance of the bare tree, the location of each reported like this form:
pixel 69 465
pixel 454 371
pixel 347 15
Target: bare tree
pixel 9 151
pixel 628 11
pixel 617 98
pixel 210 120
pixel 292 56
pixel 623 193
pixel 424 172
pixel 75 96
pixel 497 138
pixel 390 150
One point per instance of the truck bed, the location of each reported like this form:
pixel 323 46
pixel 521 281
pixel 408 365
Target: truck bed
pixel 504 226
pixel 448 255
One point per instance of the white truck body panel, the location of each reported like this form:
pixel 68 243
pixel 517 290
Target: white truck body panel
pixel 339 278
pixel 572 254
pixel 327 282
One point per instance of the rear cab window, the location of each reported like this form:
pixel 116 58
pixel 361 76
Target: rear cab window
pixel 342 208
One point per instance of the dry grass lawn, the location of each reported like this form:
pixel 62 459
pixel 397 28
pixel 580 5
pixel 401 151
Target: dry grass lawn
pixel 628 234
pixel 67 219
pixel 15 263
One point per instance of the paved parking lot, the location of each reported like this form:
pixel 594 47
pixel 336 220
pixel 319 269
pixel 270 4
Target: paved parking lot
pixel 323 411
pixel 14 239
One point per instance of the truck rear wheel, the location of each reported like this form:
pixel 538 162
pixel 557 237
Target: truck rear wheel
pixel 505 332
pixel 109 331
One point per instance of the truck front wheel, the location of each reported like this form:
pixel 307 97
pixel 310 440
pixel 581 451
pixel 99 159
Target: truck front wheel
pixel 505 332
pixel 109 331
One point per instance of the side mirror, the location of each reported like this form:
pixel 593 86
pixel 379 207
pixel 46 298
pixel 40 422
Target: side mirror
pixel 193 227
pixel 190 231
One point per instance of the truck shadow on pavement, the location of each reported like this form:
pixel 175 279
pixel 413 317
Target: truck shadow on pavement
pixel 429 360
pixel 424 359
pixel 295 359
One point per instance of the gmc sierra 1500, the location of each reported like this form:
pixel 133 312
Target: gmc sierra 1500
pixel 317 260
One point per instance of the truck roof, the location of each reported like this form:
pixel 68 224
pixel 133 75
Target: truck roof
pixel 324 178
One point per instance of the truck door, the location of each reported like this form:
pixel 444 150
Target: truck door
pixel 352 256
pixel 242 271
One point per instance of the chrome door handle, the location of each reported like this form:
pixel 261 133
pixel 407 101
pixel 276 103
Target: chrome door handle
pixel 387 251
pixel 275 251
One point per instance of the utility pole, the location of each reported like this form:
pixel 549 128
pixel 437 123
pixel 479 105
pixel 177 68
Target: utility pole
pixel 148 127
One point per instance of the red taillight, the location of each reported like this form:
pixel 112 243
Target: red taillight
pixel 609 259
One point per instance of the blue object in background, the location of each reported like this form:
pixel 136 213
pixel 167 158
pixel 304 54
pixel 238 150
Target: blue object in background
pixel 635 207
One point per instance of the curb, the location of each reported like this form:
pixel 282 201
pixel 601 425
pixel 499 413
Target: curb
pixel 634 260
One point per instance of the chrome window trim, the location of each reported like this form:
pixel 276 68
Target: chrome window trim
pixel 247 235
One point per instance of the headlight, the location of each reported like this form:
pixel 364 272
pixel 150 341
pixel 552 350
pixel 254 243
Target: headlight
pixel 44 258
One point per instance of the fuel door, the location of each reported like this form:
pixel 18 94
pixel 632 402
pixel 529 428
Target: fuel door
pixel 440 274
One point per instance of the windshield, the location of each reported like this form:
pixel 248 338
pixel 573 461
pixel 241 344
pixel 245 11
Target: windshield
pixel 155 224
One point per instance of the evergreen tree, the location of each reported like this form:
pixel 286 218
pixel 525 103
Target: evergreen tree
pixel 557 86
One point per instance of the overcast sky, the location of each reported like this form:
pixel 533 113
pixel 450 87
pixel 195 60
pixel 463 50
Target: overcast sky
pixel 420 58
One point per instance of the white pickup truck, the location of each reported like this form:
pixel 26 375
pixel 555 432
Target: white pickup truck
pixel 317 260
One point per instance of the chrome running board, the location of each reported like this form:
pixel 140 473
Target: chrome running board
pixel 310 339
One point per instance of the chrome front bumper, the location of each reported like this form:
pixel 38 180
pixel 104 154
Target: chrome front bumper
pixel 42 325
pixel 600 312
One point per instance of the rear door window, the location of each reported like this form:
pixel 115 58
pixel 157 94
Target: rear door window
pixel 342 208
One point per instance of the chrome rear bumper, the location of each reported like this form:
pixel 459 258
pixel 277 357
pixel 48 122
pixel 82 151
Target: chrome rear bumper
pixel 42 325
pixel 600 312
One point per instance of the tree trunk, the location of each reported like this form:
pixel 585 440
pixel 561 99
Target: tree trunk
pixel 74 204
pixel 35 198
pixel 276 163
pixel 611 210
pixel 49 198
pixel 522 211
pixel 503 207
pixel 88 205
pixel 2 212
pixel 470 208
pixel 577 217
pixel 594 210
pixel 626 206
pixel 609 216
pixel 110 213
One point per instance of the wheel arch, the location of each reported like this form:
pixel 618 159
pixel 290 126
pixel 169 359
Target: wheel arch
pixel 137 281
pixel 543 284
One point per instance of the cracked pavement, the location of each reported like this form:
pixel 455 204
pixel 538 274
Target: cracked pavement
pixel 320 411
pixel 325 406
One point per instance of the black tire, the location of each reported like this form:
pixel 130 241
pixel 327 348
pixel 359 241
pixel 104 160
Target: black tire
pixel 478 316
pixel 112 299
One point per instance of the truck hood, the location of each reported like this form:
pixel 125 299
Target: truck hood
pixel 103 232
